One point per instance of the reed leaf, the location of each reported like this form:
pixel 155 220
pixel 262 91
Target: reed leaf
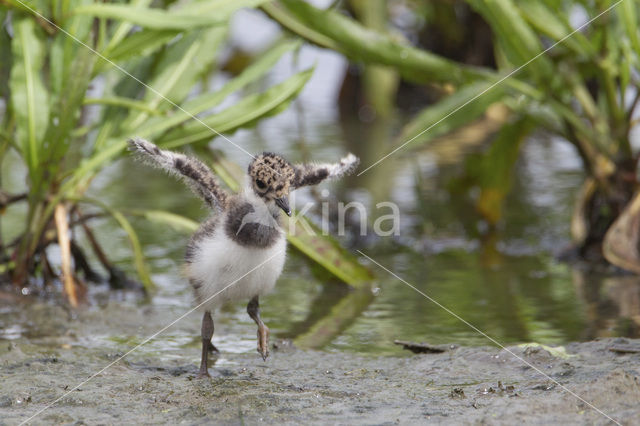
pixel 221 8
pixel 180 66
pixel 66 112
pixel 141 43
pixel 150 17
pixel 517 39
pixel 363 44
pixel 138 254
pixel 29 97
pixel 450 113
pixel 123 28
pixel 242 114
pixel 123 102
pixel 628 14
pixel 554 25
pixel 201 103
pixel 161 217
pixel 296 26
pixel 327 252
pixel 493 170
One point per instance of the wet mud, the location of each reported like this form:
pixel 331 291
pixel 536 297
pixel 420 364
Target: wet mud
pixel 462 385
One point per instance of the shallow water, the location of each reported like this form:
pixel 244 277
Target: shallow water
pixel 506 284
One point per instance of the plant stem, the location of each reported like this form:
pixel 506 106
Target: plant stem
pixel 62 226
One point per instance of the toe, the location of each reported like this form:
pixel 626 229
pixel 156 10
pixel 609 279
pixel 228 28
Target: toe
pixel 203 374
pixel 264 353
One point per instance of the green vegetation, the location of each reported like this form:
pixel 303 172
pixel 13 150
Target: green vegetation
pixel 584 90
pixel 79 78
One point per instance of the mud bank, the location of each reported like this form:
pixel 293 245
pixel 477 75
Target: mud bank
pixel 464 385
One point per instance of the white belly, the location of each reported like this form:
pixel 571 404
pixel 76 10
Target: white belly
pixel 229 272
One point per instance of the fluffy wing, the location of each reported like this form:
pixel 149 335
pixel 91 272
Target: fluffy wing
pixel 313 174
pixel 194 172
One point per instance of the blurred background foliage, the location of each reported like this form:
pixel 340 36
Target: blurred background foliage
pixel 83 77
pixel 480 80
pixel 471 55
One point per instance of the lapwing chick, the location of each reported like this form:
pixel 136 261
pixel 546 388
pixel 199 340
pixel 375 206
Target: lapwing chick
pixel 239 251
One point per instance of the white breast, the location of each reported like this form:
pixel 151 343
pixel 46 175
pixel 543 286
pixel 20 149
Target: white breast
pixel 228 271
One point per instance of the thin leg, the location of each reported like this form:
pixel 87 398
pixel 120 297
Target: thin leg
pixel 253 309
pixel 207 334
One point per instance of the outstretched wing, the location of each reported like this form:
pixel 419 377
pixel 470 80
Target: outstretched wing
pixel 313 174
pixel 193 171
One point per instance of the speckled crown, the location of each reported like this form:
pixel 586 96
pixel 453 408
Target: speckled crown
pixel 274 172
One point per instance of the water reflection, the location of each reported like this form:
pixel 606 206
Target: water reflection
pixel 612 304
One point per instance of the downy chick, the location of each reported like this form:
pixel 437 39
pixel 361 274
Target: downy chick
pixel 239 252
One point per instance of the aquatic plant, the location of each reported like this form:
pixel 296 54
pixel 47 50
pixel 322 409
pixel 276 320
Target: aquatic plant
pixel 78 78
pixel 584 89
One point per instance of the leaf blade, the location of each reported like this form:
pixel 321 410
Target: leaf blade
pixel 152 128
pixel 30 99
pixel 179 67
pixel 149 17
pixel 138 254
pixel 243 113
pixel 361 43
pixel 460 108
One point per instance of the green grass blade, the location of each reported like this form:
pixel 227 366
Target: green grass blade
pixel 552 24
pixel 363 44
pixel 329 254
pixel 64 49
pixel 519 42
pixel 138 255
pixel 154 127
pixel 289 21
pixel 493 170
pixel 176 72
pixel 150 17
pixel 141 43
pixel 440 118
pixel 122 102
pixel 174 221
pixel 29 97
pixel 629 15
pixel 220 8
pixel 66 112
pixel 242 114
pixel 141 266
pixel 123 28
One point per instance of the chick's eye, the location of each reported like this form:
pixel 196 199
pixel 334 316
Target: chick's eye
pixel 260 184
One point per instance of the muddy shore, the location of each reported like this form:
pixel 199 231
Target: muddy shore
pixel 465 385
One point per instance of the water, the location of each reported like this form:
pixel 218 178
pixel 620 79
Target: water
pixel 506 283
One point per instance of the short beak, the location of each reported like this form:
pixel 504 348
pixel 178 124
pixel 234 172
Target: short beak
pixel 283 203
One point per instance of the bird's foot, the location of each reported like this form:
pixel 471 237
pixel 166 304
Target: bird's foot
pixel 263 342
pixel 202 374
